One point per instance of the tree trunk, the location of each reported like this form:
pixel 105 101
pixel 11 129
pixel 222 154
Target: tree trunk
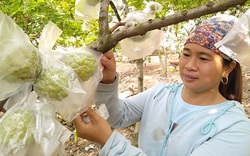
pixel 163 61
pixel 139 65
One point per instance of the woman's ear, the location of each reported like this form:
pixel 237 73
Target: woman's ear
pixel 229 68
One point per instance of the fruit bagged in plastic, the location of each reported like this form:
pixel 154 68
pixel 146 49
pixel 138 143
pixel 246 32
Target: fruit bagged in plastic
pixel 30 128
pixel 86 64
pixel 66 79
pixel 20 61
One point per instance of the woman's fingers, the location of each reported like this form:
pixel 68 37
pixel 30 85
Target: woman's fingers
pixel 94 117
pixel 97 130
pixel 109 55
pixel 109 70
pixel 108 60
pixel 78 122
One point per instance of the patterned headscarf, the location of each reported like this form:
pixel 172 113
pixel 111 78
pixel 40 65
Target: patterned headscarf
pixel 211 31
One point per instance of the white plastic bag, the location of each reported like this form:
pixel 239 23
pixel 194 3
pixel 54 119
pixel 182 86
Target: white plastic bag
pixel 57 83
pixel 141 46
pixel 87 66
pixel 12 100
pixel 236 44
pixel 30 128
pixel 20 62
pixel 87 9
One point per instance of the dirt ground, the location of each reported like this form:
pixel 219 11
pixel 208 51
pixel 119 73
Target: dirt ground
pixel 128 82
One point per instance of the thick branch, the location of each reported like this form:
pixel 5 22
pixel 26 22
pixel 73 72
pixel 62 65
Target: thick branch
pixel 141 29
pixel 103 19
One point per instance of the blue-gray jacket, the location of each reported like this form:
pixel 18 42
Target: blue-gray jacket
pixel 219 130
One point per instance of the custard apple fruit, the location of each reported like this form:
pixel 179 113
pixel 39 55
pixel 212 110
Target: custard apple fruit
pixel 17 130
pixel 84 64
pixel 52 84
pixel 21 65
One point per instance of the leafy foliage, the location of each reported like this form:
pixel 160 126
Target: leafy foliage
pixel 33 15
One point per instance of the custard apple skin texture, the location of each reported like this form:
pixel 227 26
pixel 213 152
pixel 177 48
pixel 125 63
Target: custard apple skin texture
pixel 52 84
pixel 17 130
pixel 22 65
pixel 83 64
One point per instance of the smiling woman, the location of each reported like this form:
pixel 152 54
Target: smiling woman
pixel 202 39
pixel 197 110
pixel 202 71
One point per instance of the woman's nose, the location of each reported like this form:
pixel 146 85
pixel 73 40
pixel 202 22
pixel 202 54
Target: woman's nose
pixel 191 64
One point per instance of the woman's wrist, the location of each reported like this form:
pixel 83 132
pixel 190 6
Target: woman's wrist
pixel 108 81
pixel 105 139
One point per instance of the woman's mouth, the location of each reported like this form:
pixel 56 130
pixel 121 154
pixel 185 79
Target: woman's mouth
pixel 189 78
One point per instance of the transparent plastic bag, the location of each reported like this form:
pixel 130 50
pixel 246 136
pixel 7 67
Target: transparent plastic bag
pixel 151 8
pixel 57 83
pixel 236 44
pixel 12 100
pixel 141 46
pixel 136 47
pixel 86 64
pixel 30 128
pixel 62 84
pixel 20 61
pixel 87 9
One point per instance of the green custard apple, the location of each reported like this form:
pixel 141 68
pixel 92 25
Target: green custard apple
pixel 21 65
pixel 52 84
pixel 17 130
pixel 84 64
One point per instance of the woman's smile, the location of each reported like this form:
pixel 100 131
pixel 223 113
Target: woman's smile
pixel 189 77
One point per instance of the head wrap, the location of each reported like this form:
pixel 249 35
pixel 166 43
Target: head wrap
pixel 211 31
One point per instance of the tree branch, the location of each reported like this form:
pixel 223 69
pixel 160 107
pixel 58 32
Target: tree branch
pixel 115 10
pixel 103 20
pixel 117 25
pixel 141 29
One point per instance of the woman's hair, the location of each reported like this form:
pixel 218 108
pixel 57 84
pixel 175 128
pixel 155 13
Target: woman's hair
pixel 233 89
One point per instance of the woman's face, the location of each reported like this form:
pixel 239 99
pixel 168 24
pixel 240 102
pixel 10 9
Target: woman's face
pixel 201 69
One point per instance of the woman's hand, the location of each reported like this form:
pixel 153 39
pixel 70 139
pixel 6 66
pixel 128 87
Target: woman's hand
pixel 109 67
pixel 97 130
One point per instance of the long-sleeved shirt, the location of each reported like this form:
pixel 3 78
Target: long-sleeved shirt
pixel 217 130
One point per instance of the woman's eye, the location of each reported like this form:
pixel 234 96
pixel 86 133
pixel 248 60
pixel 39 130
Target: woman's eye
pixel 185 54
pixel 203 59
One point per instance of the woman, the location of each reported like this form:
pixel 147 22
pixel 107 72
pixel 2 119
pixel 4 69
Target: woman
pixel 200 117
